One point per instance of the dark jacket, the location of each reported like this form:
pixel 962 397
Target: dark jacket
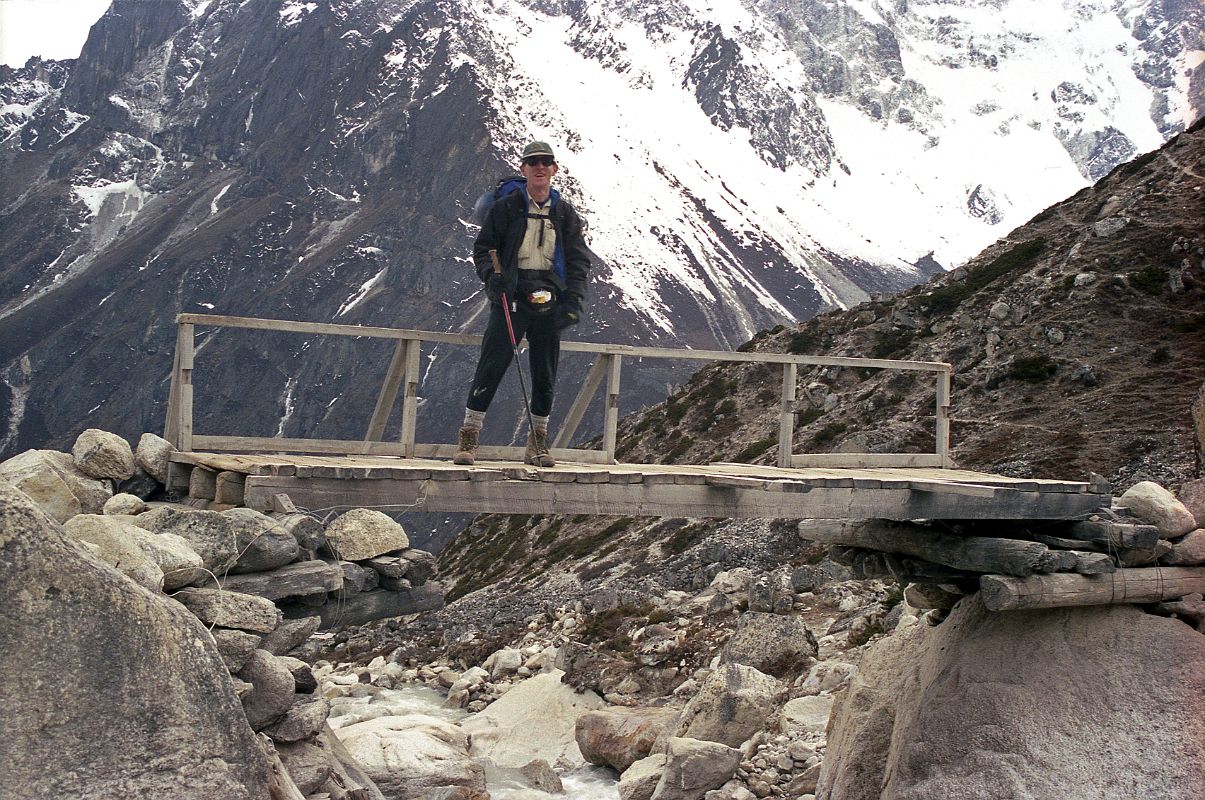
pixel 503 231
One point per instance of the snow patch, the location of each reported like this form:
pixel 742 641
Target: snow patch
pixel 213 205
pixel 292 13
pixel 362 293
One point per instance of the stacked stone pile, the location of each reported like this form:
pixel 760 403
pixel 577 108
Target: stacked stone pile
pixel 261 584
pixel 1146 548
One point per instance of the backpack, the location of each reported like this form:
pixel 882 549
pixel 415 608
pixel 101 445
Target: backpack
pixel 507 185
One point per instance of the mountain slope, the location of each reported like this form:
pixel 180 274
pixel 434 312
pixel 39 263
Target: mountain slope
pixel 741 165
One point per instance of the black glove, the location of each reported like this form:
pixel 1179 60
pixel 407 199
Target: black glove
pixel 496 283
pixel 568 311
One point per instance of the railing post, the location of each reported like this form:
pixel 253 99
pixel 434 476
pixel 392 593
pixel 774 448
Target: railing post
pixel 786 416
pixel 611 408
pixel 410 397
pixel 180 415
pixel 943 417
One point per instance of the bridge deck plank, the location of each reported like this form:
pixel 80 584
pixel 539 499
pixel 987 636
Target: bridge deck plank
pixel 691 490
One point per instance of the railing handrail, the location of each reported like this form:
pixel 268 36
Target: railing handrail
pixel 178 429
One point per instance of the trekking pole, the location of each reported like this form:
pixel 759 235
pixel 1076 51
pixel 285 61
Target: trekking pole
pixel 531 423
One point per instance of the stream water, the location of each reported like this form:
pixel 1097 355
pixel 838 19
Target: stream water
pixel 584 783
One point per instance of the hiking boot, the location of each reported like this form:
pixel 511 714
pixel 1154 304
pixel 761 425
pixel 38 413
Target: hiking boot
pixel 468 447
pixel 537 450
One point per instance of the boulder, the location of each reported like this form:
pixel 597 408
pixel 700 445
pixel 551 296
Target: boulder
pixel 503 662
pixel 535 719
pixel 235 646
pixel 1192 495
pixel 304 681
pixel 1155 505
pixel 303 579
pixel 178 563
pixel 306 764
pixel 108 690
pixel 415 757
pixel 639 781
pixel 1188 551
pixel 422 565
pixel 142 485
pixel 124 504
pixel 290 634
pixel 53 481
pixel 230 609
pixel 733 582
pixel 808 714
pixel 775 644
pixel 619 737
pixel 208 533
pixel 948 712
pixel 734 702
pixel 693 767
pixel 363 533
pixel 100 454
pixel 302 721
pixel 153 454
pixel 540 775
pixel 273 689
pixel 263 543
pixel 117 545
pixel 308 532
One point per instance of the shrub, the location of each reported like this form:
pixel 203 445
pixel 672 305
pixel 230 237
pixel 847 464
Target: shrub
pixel 801 343
pixel 829 432
pixel 1149 280
pixel 1162 355
pixel 808 416
pixel 1033 369
pixel 754 450
pixel 1021 256
pixel 684 444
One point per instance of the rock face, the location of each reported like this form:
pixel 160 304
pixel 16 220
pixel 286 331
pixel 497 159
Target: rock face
pixel 693 767
pixel 52 480
pixel 173 707
pixel 938 713
pixel 1152 503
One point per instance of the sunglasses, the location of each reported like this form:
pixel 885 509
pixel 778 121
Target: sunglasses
pixel 543 161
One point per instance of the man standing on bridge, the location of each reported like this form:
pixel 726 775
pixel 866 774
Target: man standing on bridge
pixel 531 254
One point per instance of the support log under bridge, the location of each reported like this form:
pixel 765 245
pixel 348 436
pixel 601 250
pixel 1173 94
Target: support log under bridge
pixel 263 472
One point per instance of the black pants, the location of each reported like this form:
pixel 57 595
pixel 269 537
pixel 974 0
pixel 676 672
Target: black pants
pixel 544 352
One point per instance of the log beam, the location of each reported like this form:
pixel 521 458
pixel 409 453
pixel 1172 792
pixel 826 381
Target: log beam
pixel 1146 585
pixel 974 554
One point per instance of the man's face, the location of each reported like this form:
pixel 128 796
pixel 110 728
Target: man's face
pixel 539 171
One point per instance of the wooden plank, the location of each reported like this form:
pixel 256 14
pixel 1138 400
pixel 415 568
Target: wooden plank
pixel 228 488
pixel 410 397
pixel 388 394
pixel 660 499
pixel 366 331
pixel 971 553
pixel 1145 585
pixel 185 425
pixel 501 453
pixel 786 415
pixel 315 493
pixel 171 425
pixel 581 403
pixel 846 460
pixel 611 409
pixel 1113 534
pixel 202 483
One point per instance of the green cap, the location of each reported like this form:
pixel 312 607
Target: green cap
pixel 538 149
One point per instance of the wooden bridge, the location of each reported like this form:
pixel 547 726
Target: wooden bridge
pixel 266 472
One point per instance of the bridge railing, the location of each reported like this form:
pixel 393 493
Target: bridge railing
pixel 403 375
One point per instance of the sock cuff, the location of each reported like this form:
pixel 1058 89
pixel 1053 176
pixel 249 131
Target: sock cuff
pixel 540 423
pixel 473 419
